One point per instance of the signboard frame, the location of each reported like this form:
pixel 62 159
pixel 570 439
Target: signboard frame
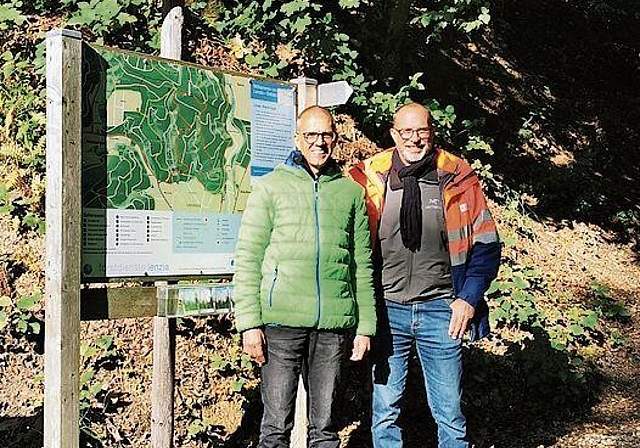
pixel 129 220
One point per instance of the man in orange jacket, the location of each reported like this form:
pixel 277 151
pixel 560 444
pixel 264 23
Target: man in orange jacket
pixel 436 252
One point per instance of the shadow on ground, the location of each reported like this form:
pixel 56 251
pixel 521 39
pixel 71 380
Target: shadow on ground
pixel 523 399
pixel 21 432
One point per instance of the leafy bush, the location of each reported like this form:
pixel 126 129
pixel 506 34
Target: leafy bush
pixel 290 38
pixel 10 15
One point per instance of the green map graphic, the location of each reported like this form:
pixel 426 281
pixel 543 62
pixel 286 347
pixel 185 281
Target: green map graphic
pixel 163 135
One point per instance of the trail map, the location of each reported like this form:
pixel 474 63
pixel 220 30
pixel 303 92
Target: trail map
pixel 167 162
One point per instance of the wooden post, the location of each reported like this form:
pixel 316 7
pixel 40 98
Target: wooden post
pixel 164 349
pixel 63 239
pixel 307 95
pixel 306 92
pixel 164 327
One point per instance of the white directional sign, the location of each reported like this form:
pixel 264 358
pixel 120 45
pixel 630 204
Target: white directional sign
pixel 334 93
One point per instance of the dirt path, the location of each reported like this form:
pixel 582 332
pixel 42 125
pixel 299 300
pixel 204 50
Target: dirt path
pixel 575 257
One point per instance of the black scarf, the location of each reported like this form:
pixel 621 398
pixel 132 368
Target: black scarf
pixel 406 177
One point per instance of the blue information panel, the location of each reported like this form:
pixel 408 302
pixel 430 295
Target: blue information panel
pixel 273 124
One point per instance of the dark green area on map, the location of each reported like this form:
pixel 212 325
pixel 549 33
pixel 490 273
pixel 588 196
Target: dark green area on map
pixel 180 131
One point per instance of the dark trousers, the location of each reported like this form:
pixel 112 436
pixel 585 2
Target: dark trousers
pixel 317 355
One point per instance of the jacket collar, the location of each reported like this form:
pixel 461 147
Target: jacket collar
pixel 452 170
pixel 297 162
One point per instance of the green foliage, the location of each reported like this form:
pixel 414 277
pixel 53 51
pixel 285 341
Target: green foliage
pixel 463 15
pixel 606 305
pixel 201 428
pixel 10 15
pixel 20 315
pixel 521 300
pixel 103 16
pixel 618 340
pixel 236 363
pixel 22 108
pixel 514 300
pixel 380 107
pixel 516 215
pixel 95 396
pixel 516 305
pixel 93 354
pixel 128 24
pixel 289 38
pixel 6 206
pixel 22 139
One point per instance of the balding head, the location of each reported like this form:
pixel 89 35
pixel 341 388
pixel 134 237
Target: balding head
pixel 314 112
pixel 412 132
pixel 316 136
pixel 413 110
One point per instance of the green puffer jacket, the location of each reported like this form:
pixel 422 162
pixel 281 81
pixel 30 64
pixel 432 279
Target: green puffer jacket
pixel 303 257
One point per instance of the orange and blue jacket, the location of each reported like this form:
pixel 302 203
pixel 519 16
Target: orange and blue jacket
pixel 474 247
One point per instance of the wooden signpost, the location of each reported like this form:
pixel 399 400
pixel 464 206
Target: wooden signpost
pixel 63 211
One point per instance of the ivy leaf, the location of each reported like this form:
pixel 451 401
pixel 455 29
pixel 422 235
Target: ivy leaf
pixel 254 60
pixel 26 303
pixel 521 282
pixel 237 385
pixel 124 18
pixel 246 362
pixel 499 314
pixel 349 4
pixel 576 330
pixel 94 389
pixel 556 345
pixel 271 71
pixel 21 326
pixel 195 427
pixel 301 24
pixel 291 8
pixel 590 320
pixel 35 327
pixel 10 16
pixel 492 288
pixel 87 350
pixel 520 297
pixel 105 342
pixel 577 361
pixel 5 301
pixel 85 377
pixel 218 363
pixel 484 17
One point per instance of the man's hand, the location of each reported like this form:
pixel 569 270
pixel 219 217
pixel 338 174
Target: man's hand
pixel 462 315
pixel 361 345
pixel 253 343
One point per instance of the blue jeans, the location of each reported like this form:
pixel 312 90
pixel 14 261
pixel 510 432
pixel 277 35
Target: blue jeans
pixel 424 325
pixel 317 354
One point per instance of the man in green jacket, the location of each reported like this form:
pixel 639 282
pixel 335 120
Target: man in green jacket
pixel 303 281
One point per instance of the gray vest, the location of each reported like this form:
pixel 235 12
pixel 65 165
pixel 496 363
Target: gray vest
pixel 422 275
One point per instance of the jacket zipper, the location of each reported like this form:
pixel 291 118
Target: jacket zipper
pixel 315 209
pixel 273 286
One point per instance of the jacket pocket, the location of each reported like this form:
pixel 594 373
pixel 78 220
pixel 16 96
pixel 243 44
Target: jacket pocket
pixel 273 286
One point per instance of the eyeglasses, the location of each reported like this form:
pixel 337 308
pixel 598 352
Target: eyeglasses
pixel 312 137
pixel 406 134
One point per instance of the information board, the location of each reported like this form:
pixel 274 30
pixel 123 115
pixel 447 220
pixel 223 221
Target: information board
pixel 167 162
